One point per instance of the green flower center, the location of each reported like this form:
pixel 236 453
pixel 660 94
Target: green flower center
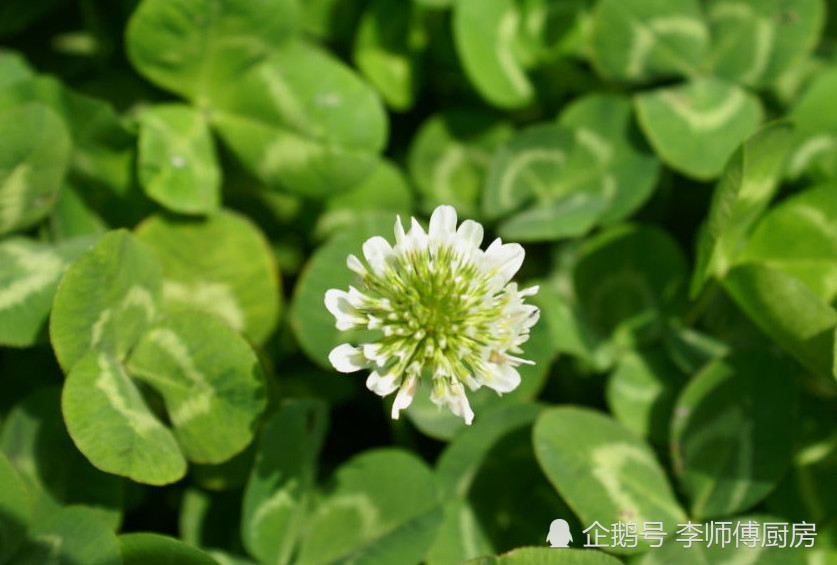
pixel 437 306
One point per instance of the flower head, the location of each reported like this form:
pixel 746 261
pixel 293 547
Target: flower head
pixel 442 307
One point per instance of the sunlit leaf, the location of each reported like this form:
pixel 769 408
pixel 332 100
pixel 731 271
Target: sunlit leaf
pixel 106 299
pixel 747 185
pixel 113 426
pixel 221 264
pixel 370 515
pixel 606 473
pixel 177 163
pixel 210 379
pixel 27 286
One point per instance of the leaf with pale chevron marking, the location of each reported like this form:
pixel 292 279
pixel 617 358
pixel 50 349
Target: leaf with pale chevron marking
pixel 450 154
pixel 604 471
pixel 292 113
pixel 695 127
pixel 101 165
pixel 27 286
pixel 755 41
pixel 222 265
pixel 815 141
pixel 643 40
pixel 210 380
pixel 485 32
pixel 559 181
pixel 605 126
pixel 302 121
pixel 192 46
pixel 750 179
pixel 641 392
pixel 281 486
pixel 34 156
pixel 105 300
pixel 113 426
pixel 384 502
pixel 177 165
pixel 568 216
pixel 730 438
pixel 527 168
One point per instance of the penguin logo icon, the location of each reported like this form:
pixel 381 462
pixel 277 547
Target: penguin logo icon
pixel 559 534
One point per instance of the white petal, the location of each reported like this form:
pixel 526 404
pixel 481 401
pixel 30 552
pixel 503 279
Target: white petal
pixel 442 222
pixel 404 396
pixel 532 317
pixel 471 382
pixel 504 260
pixel 531 291
pixel 376 250
pixel 451 394
pixel 470 232
pixel 504 377
pixel 382 385
pixel 400 236
pixel 355 265
pixel 338 302
pixel 334 298
pixel 372 351
pixel 416 235
pixel 347 359
pixel 496 244
pixel 461 407
pixel 356 298
pixel 518 360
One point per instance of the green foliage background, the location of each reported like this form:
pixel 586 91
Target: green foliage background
pixel 181 181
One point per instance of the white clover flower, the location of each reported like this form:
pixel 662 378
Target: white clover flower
pixel 443 306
